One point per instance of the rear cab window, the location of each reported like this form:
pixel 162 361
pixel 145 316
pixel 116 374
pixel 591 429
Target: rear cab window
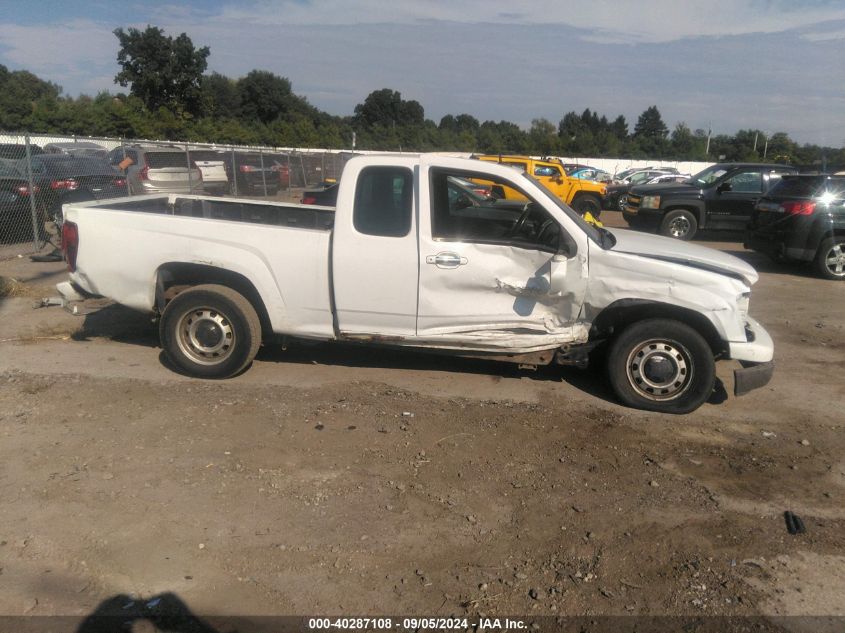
pixel 384 201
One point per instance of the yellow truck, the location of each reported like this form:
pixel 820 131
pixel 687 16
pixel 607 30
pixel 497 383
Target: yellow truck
pixel 585 196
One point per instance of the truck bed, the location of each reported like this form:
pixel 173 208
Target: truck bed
pixel 234 210
pixel 282 249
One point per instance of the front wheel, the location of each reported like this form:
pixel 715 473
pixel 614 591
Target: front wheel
pixel 587 204
pixel 680 224
pixel 661 365
pixel 830 259
pixel 210 331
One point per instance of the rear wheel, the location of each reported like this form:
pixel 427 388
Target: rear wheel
pixel 661 365
pixel 830 259
pixel 210 331
pixel 680 224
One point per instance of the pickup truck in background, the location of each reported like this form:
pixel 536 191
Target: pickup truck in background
pixel 403 261
pixel 721 197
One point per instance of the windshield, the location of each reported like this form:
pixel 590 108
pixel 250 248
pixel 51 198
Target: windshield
pixel 708 176
pixel 592 232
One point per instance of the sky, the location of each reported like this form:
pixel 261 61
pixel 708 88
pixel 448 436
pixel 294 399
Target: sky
pixel 725 65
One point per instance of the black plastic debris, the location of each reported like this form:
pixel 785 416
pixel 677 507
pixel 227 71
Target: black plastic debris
pixel 794 524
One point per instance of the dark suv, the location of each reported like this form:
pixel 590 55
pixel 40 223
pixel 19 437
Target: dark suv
pixel 721 197
pixel 802 219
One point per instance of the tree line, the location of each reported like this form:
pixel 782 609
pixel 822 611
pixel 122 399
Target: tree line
pixel 170 96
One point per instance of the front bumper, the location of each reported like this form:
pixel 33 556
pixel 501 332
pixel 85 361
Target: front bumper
pixel 755 355
pixel 752 376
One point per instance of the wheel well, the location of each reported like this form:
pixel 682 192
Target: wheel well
pixel 683 207
pixel 171 279
pixel 614 318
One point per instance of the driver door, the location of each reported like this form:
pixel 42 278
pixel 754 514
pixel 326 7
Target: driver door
pixel 491 277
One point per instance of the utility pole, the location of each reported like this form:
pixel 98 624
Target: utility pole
pixel 709 131
pixel 755 142
pixel 766 146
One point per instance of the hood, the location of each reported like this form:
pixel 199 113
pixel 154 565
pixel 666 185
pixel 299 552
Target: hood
pixel 672 250
pixel 663 188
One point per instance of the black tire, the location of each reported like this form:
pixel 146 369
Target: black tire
pixel 830 258
pixel 583 204
pixel 680 224
pixel 621 202
pixel 210 331
pixel 661 365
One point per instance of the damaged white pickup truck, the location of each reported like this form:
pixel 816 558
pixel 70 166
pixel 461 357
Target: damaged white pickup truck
pixel 412 256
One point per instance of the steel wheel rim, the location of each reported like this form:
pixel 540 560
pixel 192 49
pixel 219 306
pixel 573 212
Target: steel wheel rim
pixel 206 336
pixel 835 261
pixel 623 202
pixel 679 227
pixel 659 370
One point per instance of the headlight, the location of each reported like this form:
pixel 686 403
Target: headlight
pixel 650 202
pixel 742 302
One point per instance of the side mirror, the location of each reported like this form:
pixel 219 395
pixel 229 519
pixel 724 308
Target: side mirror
pixel 725 186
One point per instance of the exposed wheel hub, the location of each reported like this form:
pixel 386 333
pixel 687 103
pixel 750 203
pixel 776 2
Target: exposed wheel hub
pixel 205 335
pixel 679 227
pixel 835 260
pixel 659 370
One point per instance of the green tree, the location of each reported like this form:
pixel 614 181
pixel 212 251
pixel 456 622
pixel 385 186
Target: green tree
pixel 650 133
pixel 264 96
pixel 161 70
pixel 386 108
pixel 220 97
pixel 20 90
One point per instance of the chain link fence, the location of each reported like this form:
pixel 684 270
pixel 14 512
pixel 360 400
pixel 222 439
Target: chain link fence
pixel 39 173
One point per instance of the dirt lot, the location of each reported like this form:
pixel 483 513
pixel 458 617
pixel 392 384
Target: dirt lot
pixel 346 481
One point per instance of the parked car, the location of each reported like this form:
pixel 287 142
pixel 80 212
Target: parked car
pixel 617 191
pixel 157 169
pixel 60 176
pixel 214 168
pixel 16 151
pixel 720 197
pixel 256 174
pixel 398 263
pixel 584 196
pixel 80 148
pixel 591 173
pixel 323 196
pixel 802 219
pixel 15 204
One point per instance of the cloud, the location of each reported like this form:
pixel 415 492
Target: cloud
pixel 71 53
pixel 748 63
pixel 648 21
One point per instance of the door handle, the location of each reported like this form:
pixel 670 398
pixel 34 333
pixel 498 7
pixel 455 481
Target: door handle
pixel 446 260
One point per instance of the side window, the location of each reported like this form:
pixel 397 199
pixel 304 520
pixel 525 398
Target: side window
pixel 773 178
pixel 383 201
pixel 457 214
pixel 746 182
pixel 547 170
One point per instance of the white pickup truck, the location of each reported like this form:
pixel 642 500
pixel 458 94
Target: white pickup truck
pixel 408 259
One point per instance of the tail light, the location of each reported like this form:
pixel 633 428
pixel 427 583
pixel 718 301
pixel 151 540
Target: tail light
pixel 799 207
pixel 67 184
pixel 309 200
pixel 246 168
pixel 70 244
pixel 24 190
pixel 144 173
pixel 119 182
